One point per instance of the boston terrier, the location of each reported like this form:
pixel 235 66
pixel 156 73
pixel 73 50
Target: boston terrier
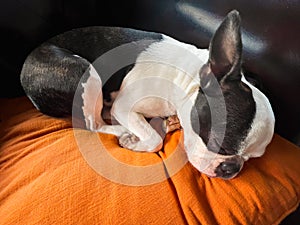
pixel 225 119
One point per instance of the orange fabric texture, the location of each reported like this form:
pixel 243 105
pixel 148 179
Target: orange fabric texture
pixel 44 179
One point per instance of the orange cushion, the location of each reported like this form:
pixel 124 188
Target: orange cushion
pixel 45 179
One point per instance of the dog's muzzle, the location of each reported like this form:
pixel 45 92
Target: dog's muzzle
pixel 230 167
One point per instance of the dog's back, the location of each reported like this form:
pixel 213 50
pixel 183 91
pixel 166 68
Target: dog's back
pixel 53 72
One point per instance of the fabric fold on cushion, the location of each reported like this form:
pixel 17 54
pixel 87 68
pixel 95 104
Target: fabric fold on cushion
pixel 45 178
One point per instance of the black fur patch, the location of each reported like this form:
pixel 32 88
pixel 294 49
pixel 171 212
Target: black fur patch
pixel 240 110
pixel 52 73
pixel 50 76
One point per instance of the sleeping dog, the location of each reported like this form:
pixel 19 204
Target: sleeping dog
pixel 225 119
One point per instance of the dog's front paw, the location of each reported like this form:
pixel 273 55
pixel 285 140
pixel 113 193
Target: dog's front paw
pixel 130 141
pixel 171 123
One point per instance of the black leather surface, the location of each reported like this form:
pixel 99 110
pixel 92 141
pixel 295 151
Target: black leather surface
pixel 271 34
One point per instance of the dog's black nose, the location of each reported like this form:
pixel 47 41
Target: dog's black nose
pixel 229 168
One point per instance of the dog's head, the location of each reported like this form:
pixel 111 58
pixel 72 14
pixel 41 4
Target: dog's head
pixel 233 118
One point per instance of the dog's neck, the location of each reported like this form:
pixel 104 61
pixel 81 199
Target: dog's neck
pixel 161 60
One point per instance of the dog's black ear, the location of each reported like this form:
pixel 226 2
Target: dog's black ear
pixel 225 51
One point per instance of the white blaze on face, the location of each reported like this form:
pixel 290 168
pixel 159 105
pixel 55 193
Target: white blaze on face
pixel 200 157
pixel 197 152
pixel 262 128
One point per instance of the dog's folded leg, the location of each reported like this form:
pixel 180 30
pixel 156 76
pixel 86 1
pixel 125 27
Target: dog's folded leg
pixel 142 137
pixel 93 105
pixel 117 130
pixel 92 100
